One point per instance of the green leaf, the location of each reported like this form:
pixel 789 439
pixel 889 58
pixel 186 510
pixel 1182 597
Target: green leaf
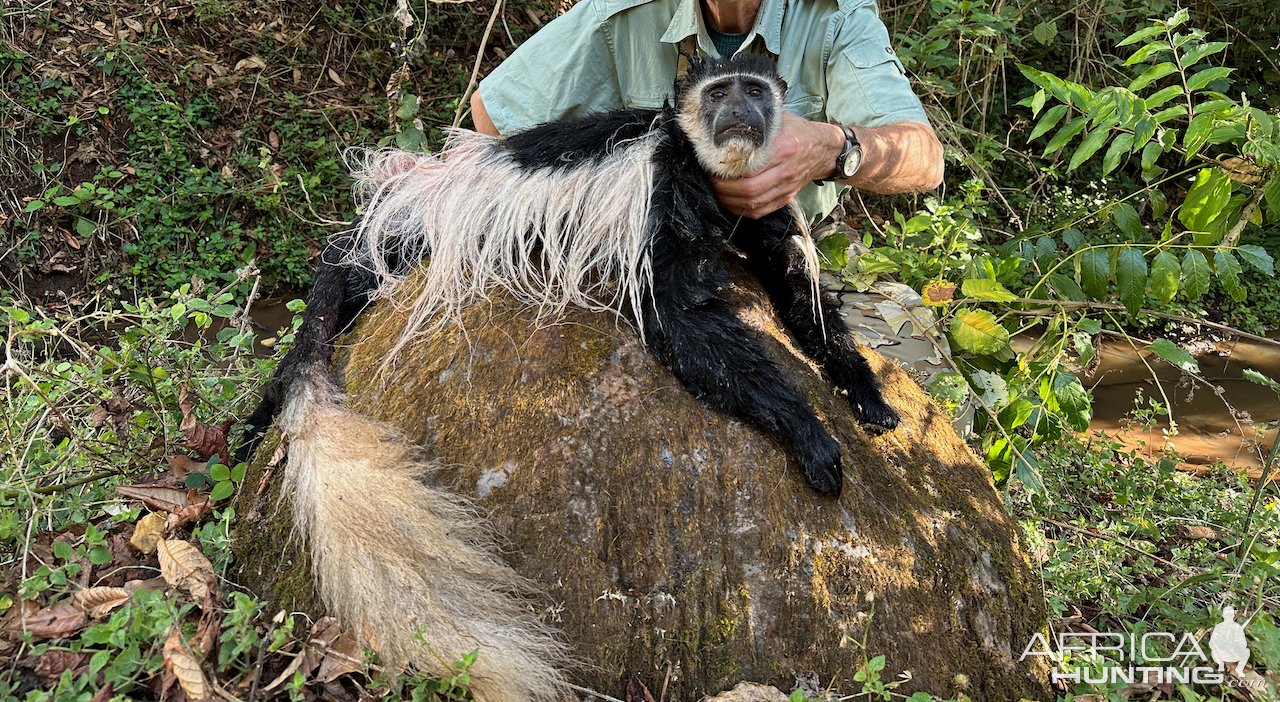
pixel 1037 102
pixel 1127 220
pixel 1257 257
pixel 1016 414
pixel 1196 53
pixel 1049 121
pixel 1142 35
pixel 1153 74
pixel 876 664
pixel 33 206
pixel 408 106
pixel 1227 270
pixel 1131 278
pixel 1143 131
pixel 219 472
pixel 85 227
pixel 1265 381
pixel 1272 195
pixel 1069 130
pixel 1197 134
pixel 978 332
pixel 222 491
pixel 1195 274
pixel 1073 400
pixel 1162 96
pixel 1095 272
pixel 1207 76
pixel 834 250
pixel 1117 153
pixel 1206 199
pixel 410 139
pixel 1165 274
pixel 66 201
pixel 1147 52
pixel 1045 32
pixel 1066 288
pixel 1092 142
pixel 63 551
pixel 1175 355
pixel 1027 469
pixel 986 289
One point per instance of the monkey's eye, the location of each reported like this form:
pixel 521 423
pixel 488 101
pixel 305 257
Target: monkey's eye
pixel 755 93
pixel 716 95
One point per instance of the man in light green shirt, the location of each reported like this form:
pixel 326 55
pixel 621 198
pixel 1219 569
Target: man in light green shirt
pixel 840 70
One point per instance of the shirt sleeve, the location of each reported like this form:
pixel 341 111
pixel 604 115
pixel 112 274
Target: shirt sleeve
pixel 565 70
pixel 867 86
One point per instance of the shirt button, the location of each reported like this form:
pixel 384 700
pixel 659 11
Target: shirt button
pixel 888 49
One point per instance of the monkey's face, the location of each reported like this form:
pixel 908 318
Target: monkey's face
pixel 731 116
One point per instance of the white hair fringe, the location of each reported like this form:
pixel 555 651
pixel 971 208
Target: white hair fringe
pixel 552 237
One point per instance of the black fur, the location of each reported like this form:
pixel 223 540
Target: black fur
pixel 691 330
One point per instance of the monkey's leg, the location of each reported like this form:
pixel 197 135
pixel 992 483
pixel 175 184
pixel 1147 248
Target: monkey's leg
pixel 338 296
pixel 775 257
pixel 697 336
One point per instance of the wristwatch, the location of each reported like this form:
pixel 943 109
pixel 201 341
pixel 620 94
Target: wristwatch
pixel 850 158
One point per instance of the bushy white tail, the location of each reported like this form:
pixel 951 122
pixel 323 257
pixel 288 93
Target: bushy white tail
pixel 410 567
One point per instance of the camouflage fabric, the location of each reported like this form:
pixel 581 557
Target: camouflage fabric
pixel 892 319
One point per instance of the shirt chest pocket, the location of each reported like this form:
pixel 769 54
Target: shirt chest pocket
pixel 881 77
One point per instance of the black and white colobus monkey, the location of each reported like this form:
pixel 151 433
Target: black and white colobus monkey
pixel 611 212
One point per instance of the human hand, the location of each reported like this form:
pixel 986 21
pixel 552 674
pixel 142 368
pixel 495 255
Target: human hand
pixel 803 152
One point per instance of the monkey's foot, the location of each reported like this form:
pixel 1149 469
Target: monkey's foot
pixel 819 458
pixel 876 414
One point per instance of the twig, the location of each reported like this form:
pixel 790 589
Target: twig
pixel 475 69
pixel 586 690
pixel 1114 540
pixel 50 489
pixel 1073 305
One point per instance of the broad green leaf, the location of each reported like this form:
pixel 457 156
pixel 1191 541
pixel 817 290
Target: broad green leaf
pixel 1159 203
pixel 1117 153
pixel 1131 278
pixel 219 472
pixel 1016 414
pixel 222 491
pixel 978 331
pixel 1196 53
pixel 1175 355
pixel 1169 113
pixel 1272 195
pixel 1147 52
pixel 1265 381
pixel 408 106
pixel 834 250
pixel 1127 220
pixel 1227 270
pixel 1207 76
pixel 66 201
pixel 1027 469
pixel 1165 274
pixel 1037 102
pixel 1195 274
pixel 85 227
pixel 1066 288
pixel 1064 135
pixel 1197 134
pixel 986 289
pixel 33 206
pixel 1092 142
pixel 1049 121
pixel 1257 257
pixel 1085 350
pixel 1095 272
pixel 1219 105
pixel 1153 74
pixel 1073 400
pixel 1162 96
pixel 1205 201
pixel 1143 131
pixel 1142 35
pixel 1045 32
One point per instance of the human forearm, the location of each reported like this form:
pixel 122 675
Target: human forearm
pixel 905 157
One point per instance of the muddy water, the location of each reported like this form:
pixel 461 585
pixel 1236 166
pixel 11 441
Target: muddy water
pixel 1235 425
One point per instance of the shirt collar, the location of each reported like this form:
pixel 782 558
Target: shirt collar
pixel 687 21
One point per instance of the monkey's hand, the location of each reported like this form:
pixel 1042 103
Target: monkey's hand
pixel 819 457
pixel 803 152
pixel 871 409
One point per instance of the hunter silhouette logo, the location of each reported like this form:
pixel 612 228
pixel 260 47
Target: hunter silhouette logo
pixel 1227 643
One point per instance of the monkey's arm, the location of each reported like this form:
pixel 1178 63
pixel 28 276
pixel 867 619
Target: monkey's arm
pixel 697 336
pixel 774 256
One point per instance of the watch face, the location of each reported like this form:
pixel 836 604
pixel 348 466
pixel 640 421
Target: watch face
pixel 852 161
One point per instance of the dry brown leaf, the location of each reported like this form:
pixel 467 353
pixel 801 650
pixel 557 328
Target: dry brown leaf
pixel 104 693
pixel 333 76
pixel 62 619
pixel 148 532
pixel 52 664
pixel 99 601
pixel 199 507
pixel 134 24
pixel 183 566
pixel 204 439
pixel 637 692
pixel 185 667
pixel 162 498
pixel 182 466
pixel 344 655
pixel 1199 533
pixel 253 63
pixel 69 238
pixel 156 583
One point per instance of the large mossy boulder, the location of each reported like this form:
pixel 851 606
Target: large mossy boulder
pixel 681 544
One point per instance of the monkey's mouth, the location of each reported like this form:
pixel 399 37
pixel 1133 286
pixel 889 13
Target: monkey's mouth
pixel 743 132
